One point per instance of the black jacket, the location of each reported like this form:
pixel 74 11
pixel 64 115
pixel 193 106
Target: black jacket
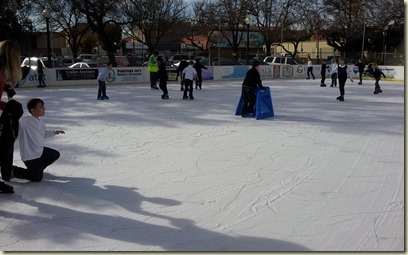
pixel 361 67
pixel 9 121
pixel 198 67
pixel 323 70
pixel 377 73
pixel 183 64
pixel 252 79
pixel 162 73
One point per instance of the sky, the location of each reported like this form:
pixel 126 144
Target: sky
pixel 138 173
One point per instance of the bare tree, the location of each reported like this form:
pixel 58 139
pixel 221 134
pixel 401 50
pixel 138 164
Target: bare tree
pixel 232 14
pixel 70 22
pixel 99 14
pixel 153 19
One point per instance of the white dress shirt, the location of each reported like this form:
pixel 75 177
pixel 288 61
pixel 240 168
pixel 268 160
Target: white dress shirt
pixel 31 137
pixel 189 72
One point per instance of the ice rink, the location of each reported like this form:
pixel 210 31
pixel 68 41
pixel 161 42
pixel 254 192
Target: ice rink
pixel 138 173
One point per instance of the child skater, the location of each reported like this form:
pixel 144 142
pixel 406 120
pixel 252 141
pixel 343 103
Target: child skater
pixel 102 81
pixel 377 75
pixel 162 75
pixel 343 73
pixel 32 134
pixel 323 73
pixel 189 75
pixel 333 72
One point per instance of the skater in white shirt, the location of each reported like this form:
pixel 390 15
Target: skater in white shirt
pixel 32 134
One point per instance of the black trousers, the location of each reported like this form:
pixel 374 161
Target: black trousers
pixel 102 88
pixel 334 79
pixel 310 72
pixel 163 87
pixel 35 167
pixel 323 78
pixel 6 160
pixel 248 100
pixel 199 82
pixel 342 84
pixel 188 87
pixel 41 78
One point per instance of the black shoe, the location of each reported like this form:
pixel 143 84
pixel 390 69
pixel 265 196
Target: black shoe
pixel 165 96
pixel 199 86
pixel 322 85
pixel 5 188
pixel 185 97
pixel 379 91
pixel 16 173
pixel 340 98
pixel 191 98
pixel 360 83
pixel 331 85
pixel 196 87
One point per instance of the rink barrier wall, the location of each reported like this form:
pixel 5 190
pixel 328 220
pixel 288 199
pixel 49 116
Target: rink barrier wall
pixel 140 75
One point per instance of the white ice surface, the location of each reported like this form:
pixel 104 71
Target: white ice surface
pixel 138 173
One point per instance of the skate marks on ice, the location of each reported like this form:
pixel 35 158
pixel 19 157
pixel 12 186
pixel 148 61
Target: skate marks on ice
pixel 86 216
pixel 320 175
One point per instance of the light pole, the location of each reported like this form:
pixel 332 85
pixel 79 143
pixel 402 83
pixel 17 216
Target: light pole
pixel 384 46
pixel 46 15
pixel 247 22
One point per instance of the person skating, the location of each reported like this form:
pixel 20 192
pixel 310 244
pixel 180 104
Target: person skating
pixel 10 72
pixel 183 64
pixel 102 82
pixel 9 125
pixel 310 68
pixel 377 76
pixel 189 75
pixel 333 72
pixel 32 134
pixel 162 75
pixel 343 73
pixel 40 70
pixel 361 67
pixel 153 69
pixel 251 81
pixel 199 68
pixel 323 73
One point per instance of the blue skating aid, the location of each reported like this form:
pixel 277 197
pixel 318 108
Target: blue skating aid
pixel 263 107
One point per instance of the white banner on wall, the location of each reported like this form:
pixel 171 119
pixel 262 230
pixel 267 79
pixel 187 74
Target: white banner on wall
pixel 139 75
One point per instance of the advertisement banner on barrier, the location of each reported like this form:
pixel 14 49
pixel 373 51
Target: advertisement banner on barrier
pixel 232 72
pixel 76 74
pixel 126 75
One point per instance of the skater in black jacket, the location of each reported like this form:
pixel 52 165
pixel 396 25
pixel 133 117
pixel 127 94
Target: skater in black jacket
pixel 252 79
pixel 162 75
pixel 343 72
pixel 183 64
pixel 323 73
pixel 361 68
pixel 377 75
pixel 10 127
pixel 199 68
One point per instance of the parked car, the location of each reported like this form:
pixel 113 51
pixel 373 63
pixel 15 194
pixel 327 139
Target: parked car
pixel 69 61
pixel 282 60
pixel 54 62
pixel 79 65
pixel 227 62
pixel 121 61
pixel 31 62
pixel 87 57
pixel 176 58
